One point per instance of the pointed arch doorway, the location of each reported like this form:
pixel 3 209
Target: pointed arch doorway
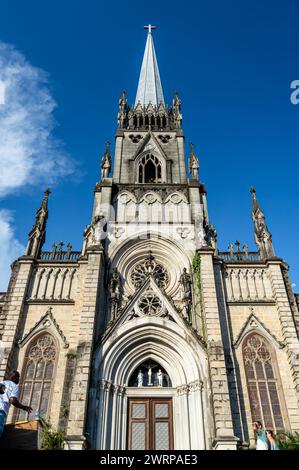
pixel 168 345
pixel 150 408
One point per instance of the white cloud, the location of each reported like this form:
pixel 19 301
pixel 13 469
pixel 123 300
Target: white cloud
pixel 293 285
pixel 10 248
pixel 29 152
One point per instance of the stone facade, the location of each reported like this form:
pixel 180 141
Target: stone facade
pixel 150 289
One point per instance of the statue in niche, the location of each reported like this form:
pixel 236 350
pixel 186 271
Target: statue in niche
pixel 140 378
pixel 160 378
pixel 149 383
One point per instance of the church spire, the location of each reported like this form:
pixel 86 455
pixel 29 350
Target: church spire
pixel 262 236
pixel 149 85
pixel 37 235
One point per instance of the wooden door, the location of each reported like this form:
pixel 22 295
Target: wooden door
pixel 150 424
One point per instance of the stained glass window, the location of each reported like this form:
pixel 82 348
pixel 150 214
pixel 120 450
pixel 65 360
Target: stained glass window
pixel 38 374
pixel 262 382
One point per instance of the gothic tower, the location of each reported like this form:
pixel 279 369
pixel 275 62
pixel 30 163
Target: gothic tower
pixel 151 365
pixel 150 337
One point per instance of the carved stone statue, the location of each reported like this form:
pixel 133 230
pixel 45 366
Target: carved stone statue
pixel 140 378
pixel 106 162
pixel 194 166
pixel 114 284
pixel 160 378
pixel 149 377
pixel 122 109
pixel 177 110
pixel 210 236
pixel 185 281
pixel 193 163
pixel 114 289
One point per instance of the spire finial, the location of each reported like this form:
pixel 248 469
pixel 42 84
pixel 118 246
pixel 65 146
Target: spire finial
pixel 47 193
pixel 150 27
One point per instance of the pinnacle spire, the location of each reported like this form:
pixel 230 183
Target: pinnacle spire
pixel 149 86
pixel 37 235
pixel 262 236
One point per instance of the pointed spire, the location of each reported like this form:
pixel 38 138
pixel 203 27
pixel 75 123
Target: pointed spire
pixel 262 236
pixel 37 235
pixel 149 86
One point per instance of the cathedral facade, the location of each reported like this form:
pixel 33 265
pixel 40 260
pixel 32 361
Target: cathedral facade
pixel 150 337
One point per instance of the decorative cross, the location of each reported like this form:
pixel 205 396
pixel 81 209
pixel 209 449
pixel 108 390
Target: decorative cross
pixel 150 27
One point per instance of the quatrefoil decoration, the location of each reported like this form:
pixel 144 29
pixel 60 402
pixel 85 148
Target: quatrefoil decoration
pixel 135 138
pixel 164 138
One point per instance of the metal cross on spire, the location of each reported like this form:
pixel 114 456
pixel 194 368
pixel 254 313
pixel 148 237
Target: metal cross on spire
pixel 150 27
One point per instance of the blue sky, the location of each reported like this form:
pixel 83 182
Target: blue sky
pixel 232 63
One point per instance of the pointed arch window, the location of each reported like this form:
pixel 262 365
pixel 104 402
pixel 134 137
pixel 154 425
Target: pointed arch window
pixel 262 382
pixel 38 374
pixel 149 170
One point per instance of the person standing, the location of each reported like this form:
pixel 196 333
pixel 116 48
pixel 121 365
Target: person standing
pixel 9 396
pixel 272 440
pixel 261 438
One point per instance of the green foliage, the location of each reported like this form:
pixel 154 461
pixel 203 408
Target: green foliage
pixel 196 264
pixel 288 441
pixel 51 439
pixel 196 268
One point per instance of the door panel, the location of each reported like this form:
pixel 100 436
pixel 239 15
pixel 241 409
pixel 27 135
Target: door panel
pixel 150 424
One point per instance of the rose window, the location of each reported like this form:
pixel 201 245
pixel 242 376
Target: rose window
pixel 150 304
pixel 149 266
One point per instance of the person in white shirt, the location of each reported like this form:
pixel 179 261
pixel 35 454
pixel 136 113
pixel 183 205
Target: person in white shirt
pixel 9 394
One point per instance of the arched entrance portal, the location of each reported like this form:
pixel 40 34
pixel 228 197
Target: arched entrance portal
pixel 174 350
pixel 150 417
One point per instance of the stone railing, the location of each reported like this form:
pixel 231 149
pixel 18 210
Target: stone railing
pixel 239 256
pixel 57 254
pixel 60 255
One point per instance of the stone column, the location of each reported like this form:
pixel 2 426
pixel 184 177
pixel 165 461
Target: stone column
pixel 196 416
pixel 224 435
pixel 90 299
pixel 12 310
pixel 183 426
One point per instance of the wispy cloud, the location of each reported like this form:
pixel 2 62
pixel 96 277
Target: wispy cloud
pixel 10 248
pixel 30 154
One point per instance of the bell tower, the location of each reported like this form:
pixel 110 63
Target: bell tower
pixel 150 216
